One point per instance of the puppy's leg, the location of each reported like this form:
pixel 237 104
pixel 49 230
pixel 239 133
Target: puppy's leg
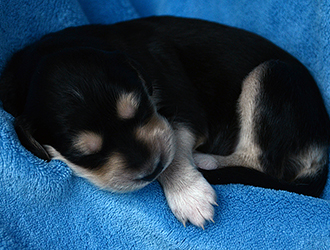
pixel 283 130
pixel 211 162
pixel 189 195
pixel 247 152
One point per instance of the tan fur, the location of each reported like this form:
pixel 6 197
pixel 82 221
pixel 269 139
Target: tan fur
pixel 88 142
pixel 112 176
pixel 115 175
pixel 158 135
pixel 127 105
pixel 312 159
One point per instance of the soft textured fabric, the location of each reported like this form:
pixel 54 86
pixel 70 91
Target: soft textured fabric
pixel 45 206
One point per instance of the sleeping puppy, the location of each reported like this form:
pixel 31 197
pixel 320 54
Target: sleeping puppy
pixel 161 97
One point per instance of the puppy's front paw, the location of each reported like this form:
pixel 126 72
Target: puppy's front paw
pixel 192 200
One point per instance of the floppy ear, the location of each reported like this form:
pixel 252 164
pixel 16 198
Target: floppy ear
pixel 139 70
pixel 142 75
pixel 24 133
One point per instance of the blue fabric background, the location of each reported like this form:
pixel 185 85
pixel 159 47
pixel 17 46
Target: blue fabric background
pixel 44 206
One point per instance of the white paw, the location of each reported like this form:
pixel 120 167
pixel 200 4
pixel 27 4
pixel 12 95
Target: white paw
pixel 205 161
pixel 192 199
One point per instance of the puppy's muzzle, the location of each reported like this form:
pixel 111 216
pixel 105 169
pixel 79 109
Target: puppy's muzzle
pixel 159 168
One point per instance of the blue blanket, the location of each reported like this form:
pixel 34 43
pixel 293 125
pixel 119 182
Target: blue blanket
pixel 44 206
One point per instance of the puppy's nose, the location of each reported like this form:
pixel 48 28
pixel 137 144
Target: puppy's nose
pixel 159 168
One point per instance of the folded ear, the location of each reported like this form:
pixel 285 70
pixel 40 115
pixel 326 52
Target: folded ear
pixel 24 132
pixel 141 73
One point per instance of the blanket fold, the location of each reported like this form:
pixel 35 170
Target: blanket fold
pixel 45 206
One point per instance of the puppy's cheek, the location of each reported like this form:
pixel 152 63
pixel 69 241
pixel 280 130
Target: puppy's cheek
pixel 115 181
pixel 114 176
pixel 159 136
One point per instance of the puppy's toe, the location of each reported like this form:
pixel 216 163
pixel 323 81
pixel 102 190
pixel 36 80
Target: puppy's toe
pixel 193 201
pixel 205 161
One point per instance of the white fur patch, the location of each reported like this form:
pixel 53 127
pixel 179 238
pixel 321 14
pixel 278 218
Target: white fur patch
pixel 247 151
pixel 127 105
pixel 189 195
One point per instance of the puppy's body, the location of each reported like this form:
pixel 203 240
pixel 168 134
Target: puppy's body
pixel 126 103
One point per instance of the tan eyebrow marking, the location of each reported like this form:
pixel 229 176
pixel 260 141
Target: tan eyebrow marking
pixel 88 142
pixel 127 105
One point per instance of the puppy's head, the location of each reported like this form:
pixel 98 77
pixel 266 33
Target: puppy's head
pixel 92 110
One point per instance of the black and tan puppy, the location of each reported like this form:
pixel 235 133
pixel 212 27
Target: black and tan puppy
pixel 153 98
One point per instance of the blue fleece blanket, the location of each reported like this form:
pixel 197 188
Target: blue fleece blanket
pixel 44 206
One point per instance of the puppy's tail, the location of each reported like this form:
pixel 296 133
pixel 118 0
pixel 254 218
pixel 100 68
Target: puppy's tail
pixel 242 175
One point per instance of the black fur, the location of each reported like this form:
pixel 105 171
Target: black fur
pixel 192 69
